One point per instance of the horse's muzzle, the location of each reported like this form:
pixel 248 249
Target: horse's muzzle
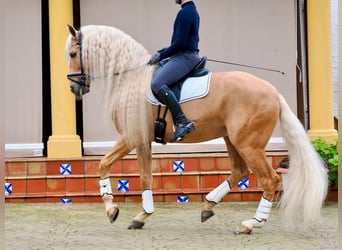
pixel 79 90
pixel 79 84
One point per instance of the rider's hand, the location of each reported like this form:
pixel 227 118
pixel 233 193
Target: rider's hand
pixel 154 59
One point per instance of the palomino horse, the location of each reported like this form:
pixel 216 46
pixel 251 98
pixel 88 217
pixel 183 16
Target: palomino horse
pixel 239 107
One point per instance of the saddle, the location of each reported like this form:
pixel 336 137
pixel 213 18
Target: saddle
pixel 160 122
pixel 198 71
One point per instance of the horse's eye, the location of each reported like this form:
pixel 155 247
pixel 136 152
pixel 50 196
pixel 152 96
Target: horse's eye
pixel 73 54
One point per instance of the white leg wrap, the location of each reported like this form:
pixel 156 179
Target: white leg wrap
pixel 105 187
pixel 219 192
pixel 147 201
pixel 253 223
pixel 263 210
pixel 261 215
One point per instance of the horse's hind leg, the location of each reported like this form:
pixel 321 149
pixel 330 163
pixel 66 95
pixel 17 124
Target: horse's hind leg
pixel 269 181
pixel 119 150
pixel 239 171
pixel 144 155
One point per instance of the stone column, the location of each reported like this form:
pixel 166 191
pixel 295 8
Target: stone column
pixel 63 143
pixel 320 70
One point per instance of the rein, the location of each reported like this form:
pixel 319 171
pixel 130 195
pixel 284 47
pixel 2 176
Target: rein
pixel 130 70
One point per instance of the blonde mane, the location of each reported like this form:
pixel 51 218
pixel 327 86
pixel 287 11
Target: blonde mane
pixel 119 64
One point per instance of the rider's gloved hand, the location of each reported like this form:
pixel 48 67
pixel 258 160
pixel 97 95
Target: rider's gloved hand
pixel 154 59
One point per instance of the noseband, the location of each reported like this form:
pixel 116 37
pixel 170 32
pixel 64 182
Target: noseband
pixel 81 77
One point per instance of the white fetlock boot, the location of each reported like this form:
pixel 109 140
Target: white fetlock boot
pixel 259 219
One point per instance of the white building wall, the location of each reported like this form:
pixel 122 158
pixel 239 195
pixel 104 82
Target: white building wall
pixel 334 29
pixel 23 78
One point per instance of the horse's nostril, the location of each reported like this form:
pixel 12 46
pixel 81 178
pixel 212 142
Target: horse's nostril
pixel 72 89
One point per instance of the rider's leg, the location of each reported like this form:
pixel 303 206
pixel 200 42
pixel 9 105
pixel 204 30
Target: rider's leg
pixel 183 125
pixel 174 70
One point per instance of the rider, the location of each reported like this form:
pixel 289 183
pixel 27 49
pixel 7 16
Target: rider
pixel 183 54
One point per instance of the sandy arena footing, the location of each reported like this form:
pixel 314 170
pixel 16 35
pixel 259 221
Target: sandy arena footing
pixel 172 226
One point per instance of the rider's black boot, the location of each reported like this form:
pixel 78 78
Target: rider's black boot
pixel 183 125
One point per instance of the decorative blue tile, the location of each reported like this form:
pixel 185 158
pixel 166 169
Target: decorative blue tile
pixel 182 199
pixel 244 184
pixel 178 166
pixel 65 201
pixel 8 188
pixel 65 169
pixel 123 186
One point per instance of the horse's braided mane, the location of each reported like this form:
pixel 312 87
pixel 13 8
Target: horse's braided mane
pixel 120 63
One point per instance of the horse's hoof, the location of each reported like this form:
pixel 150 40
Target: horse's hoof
pixel 113 214
pixel 242 230
pixel 206 214
pixel 136 224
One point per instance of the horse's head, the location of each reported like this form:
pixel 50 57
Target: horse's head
pixel 79 80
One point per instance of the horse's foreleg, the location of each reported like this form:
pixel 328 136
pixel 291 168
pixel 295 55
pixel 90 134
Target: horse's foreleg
pixel 269 181
pixel 145 161
pixel 120 150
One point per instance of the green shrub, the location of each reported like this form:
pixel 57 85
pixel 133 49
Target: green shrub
pixel 329 154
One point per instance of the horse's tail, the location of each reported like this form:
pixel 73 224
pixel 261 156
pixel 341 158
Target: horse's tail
pixel 307 180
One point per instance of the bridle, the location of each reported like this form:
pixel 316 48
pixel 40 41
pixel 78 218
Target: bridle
pixel 81 77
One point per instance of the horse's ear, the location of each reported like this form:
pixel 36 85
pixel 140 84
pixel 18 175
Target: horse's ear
pixel 72 30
